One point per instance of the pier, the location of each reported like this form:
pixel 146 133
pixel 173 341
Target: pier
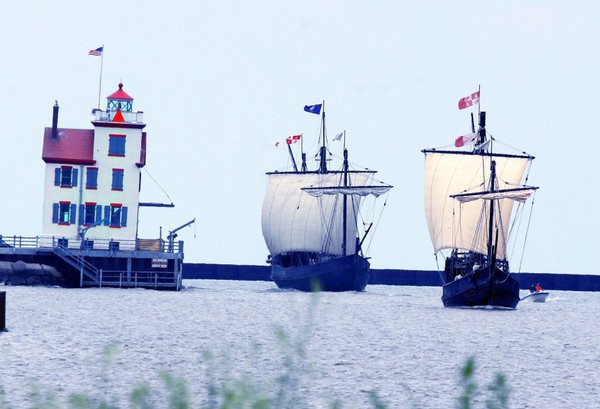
pixel 142 263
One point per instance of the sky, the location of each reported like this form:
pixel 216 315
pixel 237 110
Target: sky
pixel 220 82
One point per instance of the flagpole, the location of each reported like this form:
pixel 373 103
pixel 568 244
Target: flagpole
pixel 479 104
pixel 100 84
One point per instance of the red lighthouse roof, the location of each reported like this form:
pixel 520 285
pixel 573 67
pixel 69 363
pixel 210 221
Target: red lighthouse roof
pixel 120 94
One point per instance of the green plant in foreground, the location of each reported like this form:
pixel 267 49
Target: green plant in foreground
pixel 241 393
pixel 470 393
pixel 285 390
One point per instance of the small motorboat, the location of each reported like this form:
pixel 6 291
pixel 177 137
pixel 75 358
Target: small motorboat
pixel 536 296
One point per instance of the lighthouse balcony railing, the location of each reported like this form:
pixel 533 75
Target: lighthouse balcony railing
pixel 108 116
pixel 39 243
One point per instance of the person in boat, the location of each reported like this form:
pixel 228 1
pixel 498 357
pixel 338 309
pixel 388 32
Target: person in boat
pixel 538 288
pixel 532 288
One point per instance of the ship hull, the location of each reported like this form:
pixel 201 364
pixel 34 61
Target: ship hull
pixel 348 273
pixel 481 289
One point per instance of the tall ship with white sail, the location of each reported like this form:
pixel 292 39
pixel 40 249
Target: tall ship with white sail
pixel 312 221
pixel 470 197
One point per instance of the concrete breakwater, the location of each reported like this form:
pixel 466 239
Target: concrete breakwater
pixel 21 273
pixel 431 278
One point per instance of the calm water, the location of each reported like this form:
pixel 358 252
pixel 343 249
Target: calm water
pixel 398 341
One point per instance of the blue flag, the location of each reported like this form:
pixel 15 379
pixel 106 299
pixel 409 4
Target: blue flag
pixel 313 109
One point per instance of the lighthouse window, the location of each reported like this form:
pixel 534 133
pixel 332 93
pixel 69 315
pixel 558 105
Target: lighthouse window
pixel 117 179
pixel 63 213
pixel 90 213
pixel 116 145
pixel 117 215
pixel 65 176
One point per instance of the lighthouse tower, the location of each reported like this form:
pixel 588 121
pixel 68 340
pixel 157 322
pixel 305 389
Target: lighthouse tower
pixel 93 179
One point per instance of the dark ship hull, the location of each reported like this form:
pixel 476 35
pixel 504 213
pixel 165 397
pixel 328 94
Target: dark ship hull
pixel 296 271
pixel 480 287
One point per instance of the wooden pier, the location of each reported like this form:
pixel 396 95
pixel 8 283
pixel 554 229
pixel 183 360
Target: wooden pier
pixel 141 263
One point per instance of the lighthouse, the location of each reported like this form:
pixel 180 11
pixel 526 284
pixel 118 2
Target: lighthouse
pixel 91 205
pixel 93 177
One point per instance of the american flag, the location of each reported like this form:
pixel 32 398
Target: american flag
pixel 97 52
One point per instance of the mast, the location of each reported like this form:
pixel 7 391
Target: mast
pixel 345 203
pixel 323 148
pixel 289 145
pixel 303 154
pixel 491 221
pixel 481 137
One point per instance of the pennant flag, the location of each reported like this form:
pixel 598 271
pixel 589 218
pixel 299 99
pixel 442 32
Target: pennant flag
pixel 468 100
pixel 292 139
pixel 97 52
pixel 338 136
pixel 483 146
pixel 464 139
pixel 313 109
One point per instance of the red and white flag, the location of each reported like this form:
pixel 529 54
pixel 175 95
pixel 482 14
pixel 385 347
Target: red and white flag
pixel 468 100
pixel 292 139
pixel 464 139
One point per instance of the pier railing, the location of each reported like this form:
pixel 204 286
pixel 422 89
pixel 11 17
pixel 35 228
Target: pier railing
pixel 75 243
pixel 79 263
pixel 143 279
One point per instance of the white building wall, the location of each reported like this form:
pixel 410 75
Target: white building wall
pixel 103 195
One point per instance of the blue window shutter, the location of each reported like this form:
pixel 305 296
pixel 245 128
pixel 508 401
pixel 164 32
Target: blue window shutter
pixel 98 213
pixel 74 177
pixel 114 180
pixel 57 177
pixel 73 214
pixel 107 215
pixel 81 214
pixel 124 216
pixel 55 207
pixel 94 177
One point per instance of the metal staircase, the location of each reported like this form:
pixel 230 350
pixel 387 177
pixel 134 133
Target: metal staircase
pixel 78 262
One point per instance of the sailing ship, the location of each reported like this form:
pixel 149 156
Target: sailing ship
pixel 310 221
pixel 469 197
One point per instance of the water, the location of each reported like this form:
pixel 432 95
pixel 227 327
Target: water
pixel 398 341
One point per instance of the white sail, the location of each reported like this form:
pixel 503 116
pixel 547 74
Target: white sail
pixel 463 225
pixel 293 220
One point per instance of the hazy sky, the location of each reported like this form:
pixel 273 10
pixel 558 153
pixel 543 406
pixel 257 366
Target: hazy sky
pixel 219 82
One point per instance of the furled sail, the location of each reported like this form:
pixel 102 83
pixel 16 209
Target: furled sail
pixel 348 190
pixel 518 195
pixel 293 220
pixel 458 223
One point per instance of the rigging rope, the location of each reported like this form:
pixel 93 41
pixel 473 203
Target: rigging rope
pixel 527 231
pixel 158 185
